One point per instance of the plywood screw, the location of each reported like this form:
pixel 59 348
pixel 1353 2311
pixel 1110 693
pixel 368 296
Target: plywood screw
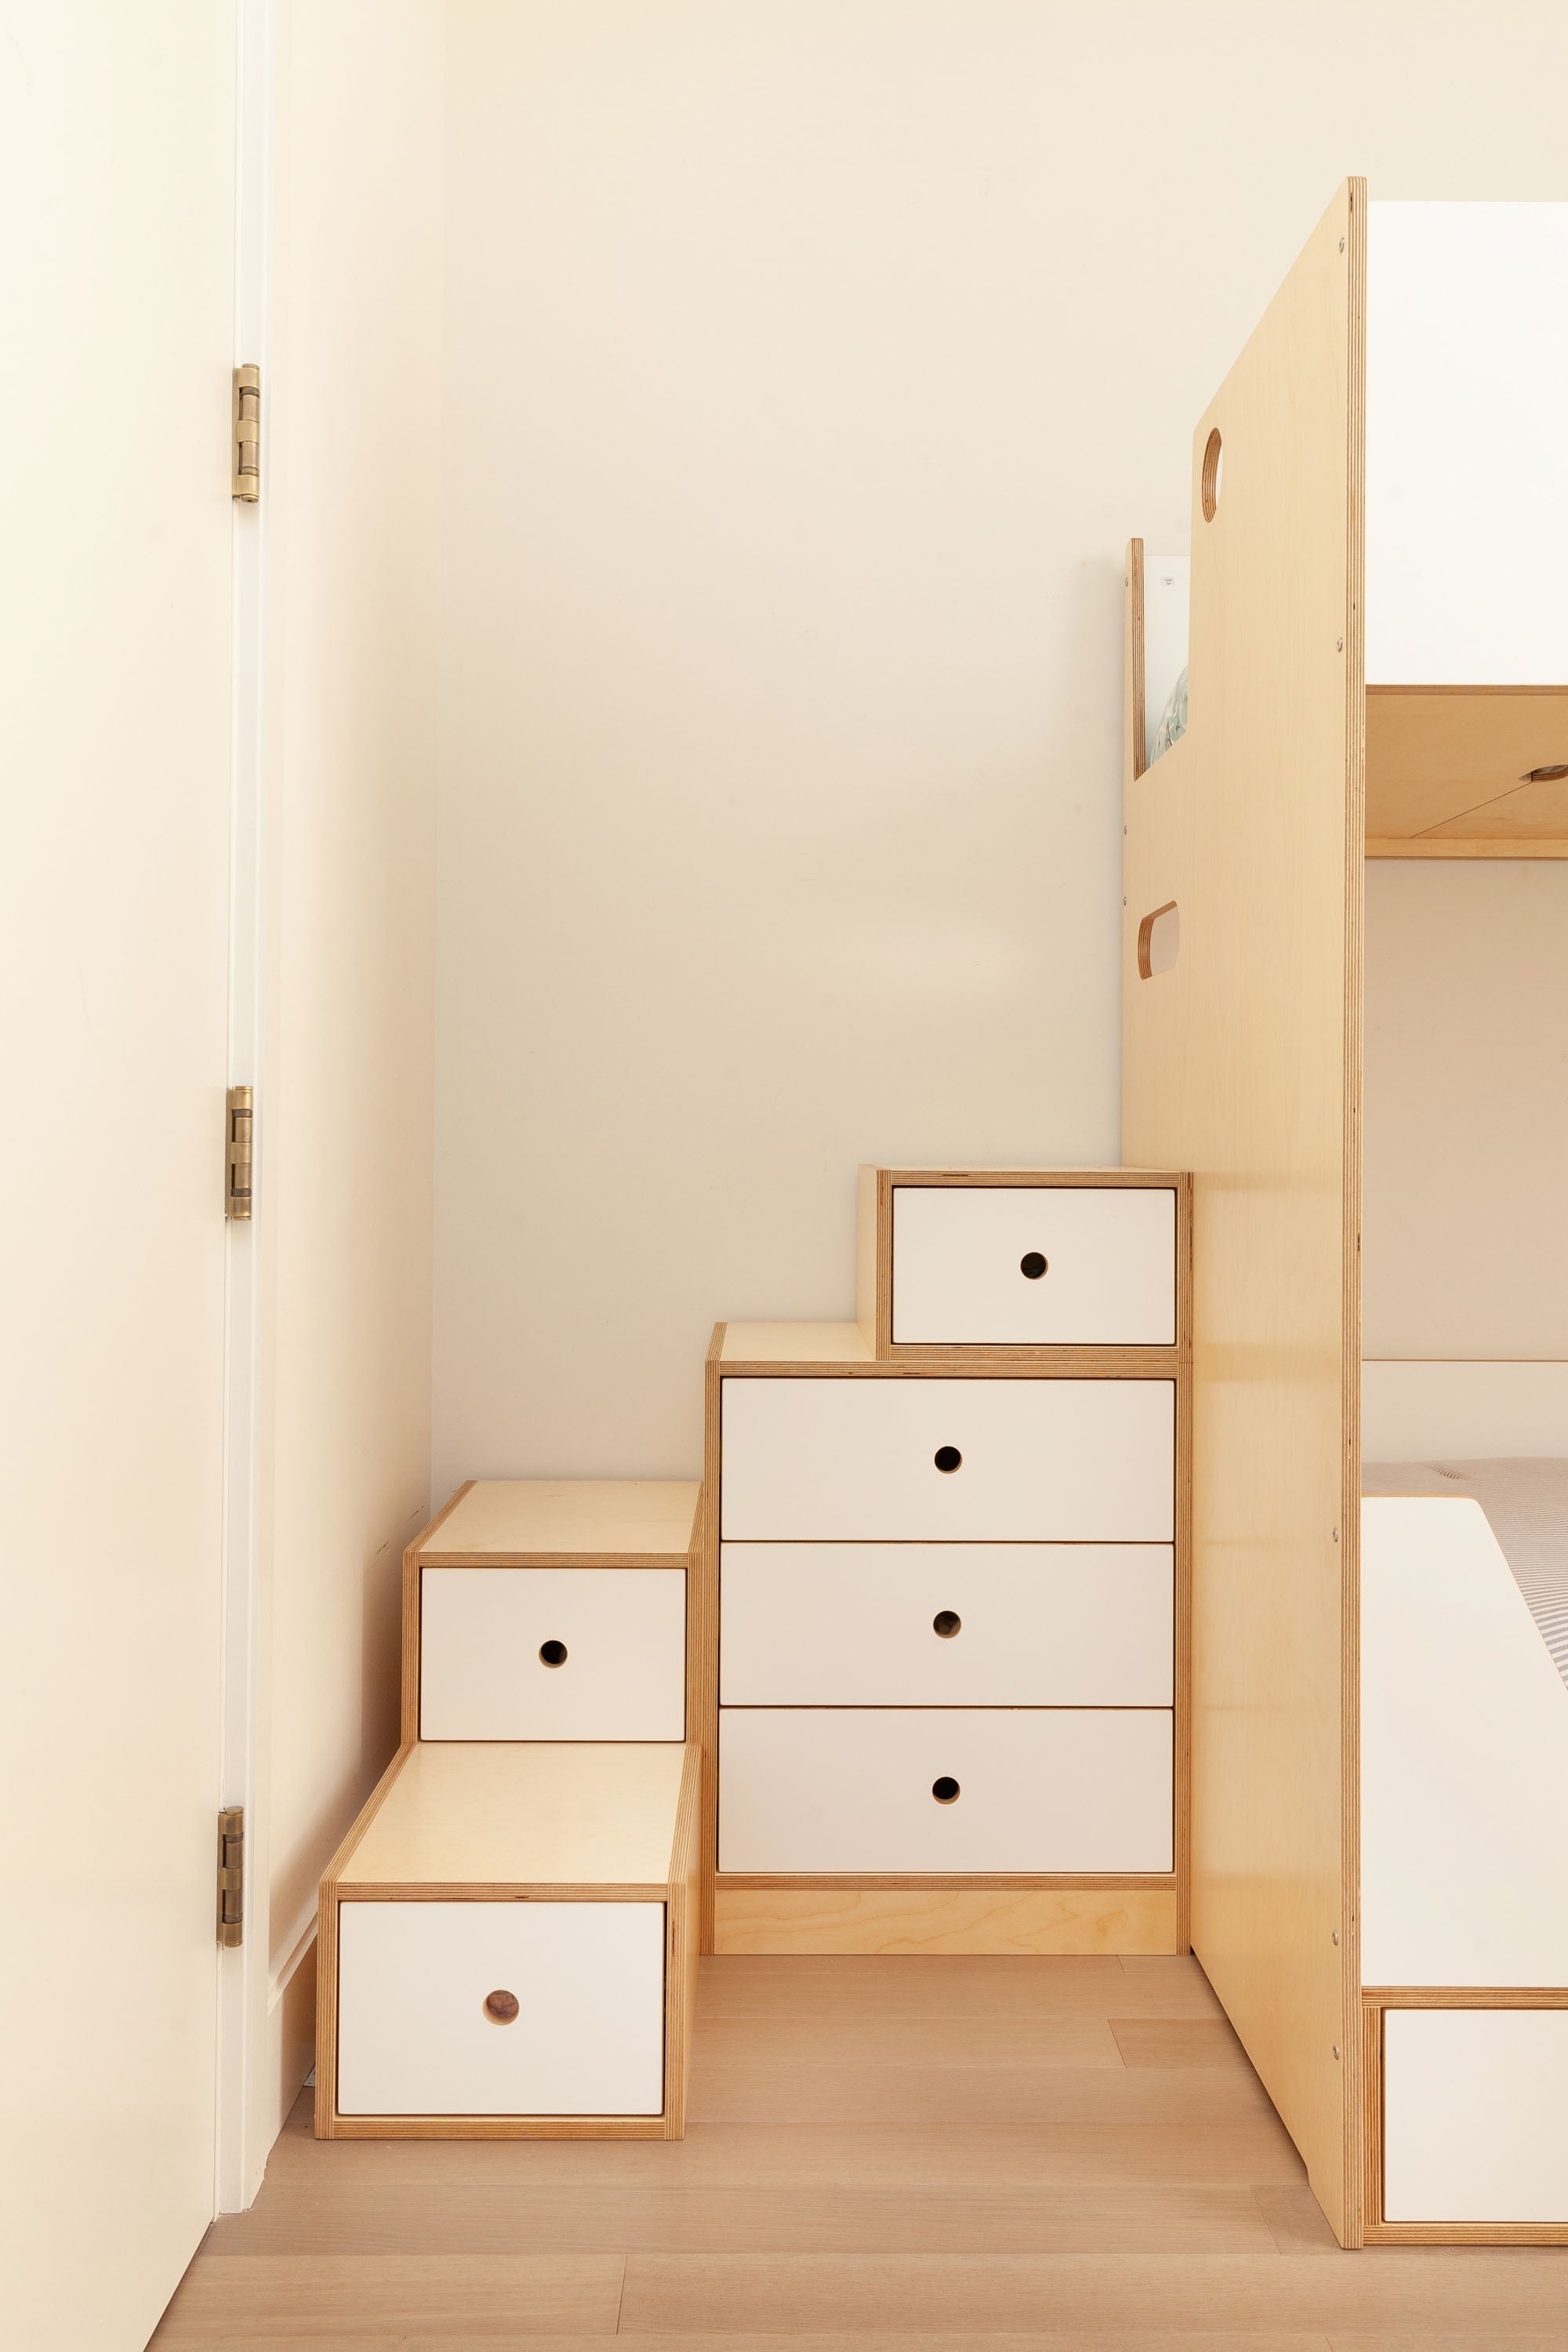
pixel 1335 1934
pixel 1342 244
pixel 1336 2050
pixel 1336 1535
pixel 1339 644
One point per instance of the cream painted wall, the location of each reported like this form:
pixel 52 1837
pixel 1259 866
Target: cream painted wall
pixel 1464 1238
pixel 345 1204
pixel 809 362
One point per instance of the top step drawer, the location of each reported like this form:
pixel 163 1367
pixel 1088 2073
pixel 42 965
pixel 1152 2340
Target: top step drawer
pixel 1033 1266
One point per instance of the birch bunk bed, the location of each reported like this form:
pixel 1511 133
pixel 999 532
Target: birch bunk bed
pixel 1346 800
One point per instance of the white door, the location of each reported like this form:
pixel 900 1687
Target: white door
pixel 117 174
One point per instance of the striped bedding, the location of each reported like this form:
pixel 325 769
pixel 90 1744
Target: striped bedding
pixel 1526 1504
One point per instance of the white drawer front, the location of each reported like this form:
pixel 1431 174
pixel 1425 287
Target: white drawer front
pixel 960 1253
pixel 1475 2114
pixel 1069 1461
pixel 487 1637
pixel 873 1625
pixel 845 1789
pixel 414 2038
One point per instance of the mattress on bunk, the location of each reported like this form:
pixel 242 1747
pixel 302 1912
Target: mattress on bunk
pixel 1526 1505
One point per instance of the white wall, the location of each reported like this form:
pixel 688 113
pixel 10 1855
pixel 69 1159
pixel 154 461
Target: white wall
pixel 344 1206
pixel 809 364
pixel 1464 1236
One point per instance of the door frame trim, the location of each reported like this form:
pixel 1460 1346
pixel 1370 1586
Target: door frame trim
pixel 243 1973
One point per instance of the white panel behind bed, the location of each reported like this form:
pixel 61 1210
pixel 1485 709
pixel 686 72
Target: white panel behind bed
pixel 1466 451
pixel 1464 1760
pixel 1413 1411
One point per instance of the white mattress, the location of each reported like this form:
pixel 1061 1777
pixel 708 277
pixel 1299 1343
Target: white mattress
pixel 1526 1505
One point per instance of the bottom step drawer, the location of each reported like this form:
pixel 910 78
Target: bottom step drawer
pixel 917 1790
pixel 501 2009
pixel 1475 2107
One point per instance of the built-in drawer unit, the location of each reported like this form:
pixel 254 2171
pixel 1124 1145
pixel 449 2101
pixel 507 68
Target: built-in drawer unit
pixel 507 1946
pixel 493 2008
pixel 978 1460
pixel 911 1624
pixel 552 1653
pixel 552 1609
pixel 1475 2115
pixel 945 1790
pixel 1031 1266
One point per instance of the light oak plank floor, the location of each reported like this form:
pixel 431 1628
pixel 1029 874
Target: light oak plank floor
pixel 882 2155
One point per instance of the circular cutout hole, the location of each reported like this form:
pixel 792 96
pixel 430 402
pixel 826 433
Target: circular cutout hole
pixel 552 1653
pixel 1546 775
pixel 946 1791
pixel 1031 1266
pixel 947 1457
pixel 946 1623
pixel 501 2008
pixel 1209 481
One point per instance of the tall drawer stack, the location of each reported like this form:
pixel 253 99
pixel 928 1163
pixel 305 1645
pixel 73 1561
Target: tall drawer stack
pixel 947 1573
pixel 507 1933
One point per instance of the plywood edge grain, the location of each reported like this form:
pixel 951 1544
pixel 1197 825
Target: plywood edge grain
pixel 410 1660
pixel 504 1890
pixel 1063 1180
pixel 1136 1921
pixel 867 1235
pixel 971 1361
pixel 1352 2040
pixel 326 2117
pixel 682 1927
pixel 702 1709
pixel 1433 846
pixel 499 2127
pixel 1465 2233
pixel 1466 1997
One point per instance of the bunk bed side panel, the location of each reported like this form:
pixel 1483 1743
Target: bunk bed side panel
pixel 1242 1062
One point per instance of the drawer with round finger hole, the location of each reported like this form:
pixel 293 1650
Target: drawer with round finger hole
pixel 552 1653
pixel 948 1460
pixel 912 1790
pixel 1032 1265
pixel 911 1624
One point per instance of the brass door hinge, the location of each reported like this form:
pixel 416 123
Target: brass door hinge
pixel 247 433
pixel 231 1877
pixel 241 1125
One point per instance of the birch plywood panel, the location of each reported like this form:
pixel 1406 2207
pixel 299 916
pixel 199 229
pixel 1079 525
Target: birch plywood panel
pixel 1242 1064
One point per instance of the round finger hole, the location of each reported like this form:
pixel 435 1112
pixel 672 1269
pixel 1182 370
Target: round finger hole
pixel 945 1624
pixel 1212 473
pixel 947 1457
pixel 945 1790
pixel 552 1653
pixel 501 2008
pixel 1031 1266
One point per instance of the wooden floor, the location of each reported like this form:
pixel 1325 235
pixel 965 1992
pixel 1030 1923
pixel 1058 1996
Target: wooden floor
pixel 1007 2153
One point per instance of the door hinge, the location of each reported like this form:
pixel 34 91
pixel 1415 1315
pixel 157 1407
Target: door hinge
pixel 231 1877
pixel 241 1125
pixel 247 433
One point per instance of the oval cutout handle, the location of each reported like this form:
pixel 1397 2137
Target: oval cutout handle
pixel 1158 941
